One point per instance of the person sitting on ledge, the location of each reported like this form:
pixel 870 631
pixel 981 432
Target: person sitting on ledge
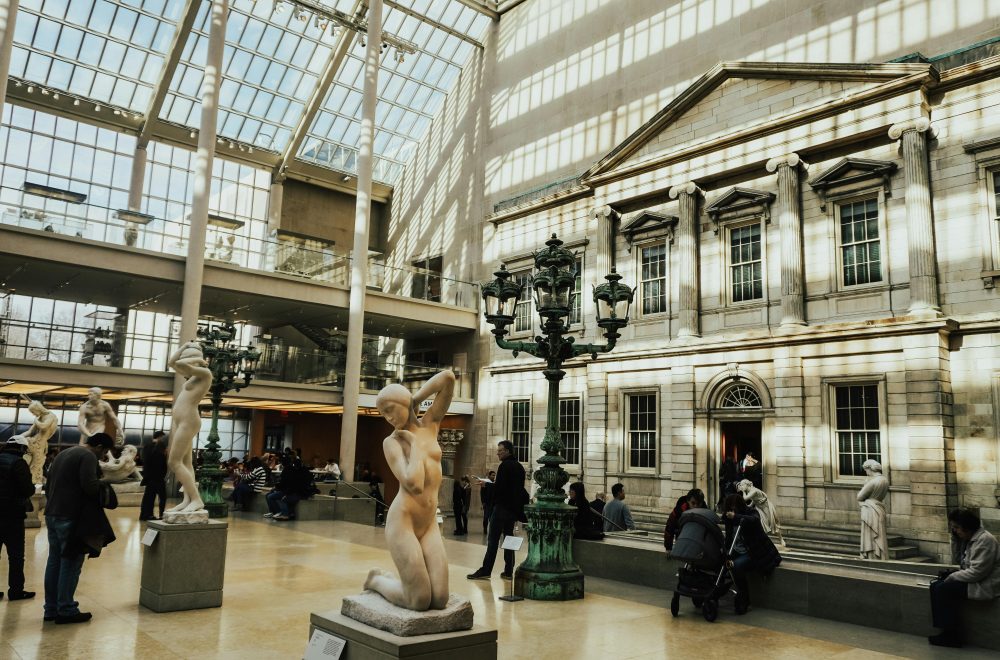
pixel 252 480
pixel 694 499
pixel 294 484
pixel 977 554
pixel 583 523
pixel 752 550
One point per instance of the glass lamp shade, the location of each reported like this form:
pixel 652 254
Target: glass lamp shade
pixel 500 297
pixel 613 300
pixel 553 288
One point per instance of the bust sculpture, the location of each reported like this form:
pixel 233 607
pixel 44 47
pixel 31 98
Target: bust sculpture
pixel 411 530
pixel 190 362
pixel 757 499
pixel 96 416
pixel 43 428
pixel 117 470
pixel 874 541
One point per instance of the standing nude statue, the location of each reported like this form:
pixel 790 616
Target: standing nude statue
pixel 189 362
pixel 43 428
pixel 96 416
pixel 411 529
pixel 757 499
pixel 874 541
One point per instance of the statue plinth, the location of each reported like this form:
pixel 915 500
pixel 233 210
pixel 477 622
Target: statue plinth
pixel 371 609
pixel 185 517
pixel 184 568
pixel 34 518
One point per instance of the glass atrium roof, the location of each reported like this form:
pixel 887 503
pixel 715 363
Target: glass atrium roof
pixel 116 51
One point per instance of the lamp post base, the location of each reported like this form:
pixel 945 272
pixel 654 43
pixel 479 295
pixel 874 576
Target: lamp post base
pixel 538 585
pixel 548 572
pixel 210 489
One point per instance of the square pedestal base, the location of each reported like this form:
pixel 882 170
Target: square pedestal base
pixel 185 567
pixel 34 518
pixel 367 643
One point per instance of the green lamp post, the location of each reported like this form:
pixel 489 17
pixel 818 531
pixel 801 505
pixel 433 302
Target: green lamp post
pixel 549 572
pixel 232 369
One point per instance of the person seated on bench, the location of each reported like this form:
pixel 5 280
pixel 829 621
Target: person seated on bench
pixel 584 522
pixel 977 554
pixel 751 551
pixel 252 480
pixel 332 470
pixel 295 483
pixel 695 499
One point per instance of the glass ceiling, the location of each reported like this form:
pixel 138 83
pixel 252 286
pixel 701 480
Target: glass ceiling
pixel 114 51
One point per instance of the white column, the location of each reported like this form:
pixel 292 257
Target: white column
pixel 8 17
pixel 790 231
pixel 686 239
pixel 605 241
pixel 274 201
pixel 919 215
pixel 359 264
pixel 195 263
pixel 138 177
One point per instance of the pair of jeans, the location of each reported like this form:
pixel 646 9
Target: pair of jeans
pixel 241 493
pixel 155 488
pixel 946 605
pixel 12 541
pixel 741 566
pixel 501 523
pixel 461 521
pixel 61 573
pixel 278 502
pixel 487 514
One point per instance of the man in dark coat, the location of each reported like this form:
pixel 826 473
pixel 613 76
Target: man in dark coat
pixel 509 498
pixel 74 481
pixel 753 550
pixel 486 499
pixel 459 505
pixel 154 475
pixel 15 489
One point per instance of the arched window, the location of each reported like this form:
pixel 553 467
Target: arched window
pixel 740 396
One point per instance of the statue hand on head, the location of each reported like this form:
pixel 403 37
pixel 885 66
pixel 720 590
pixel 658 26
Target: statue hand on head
pixel 744 486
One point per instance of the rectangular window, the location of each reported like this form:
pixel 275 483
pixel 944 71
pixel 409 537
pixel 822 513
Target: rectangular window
pixel 745 265
pixel 575 307
pixel 858 434
pixel 860 249
pixel 522 312
pixel 996 194
pixel 569 429
pixel 519 423
pixel 653 280
pixel 427 280
pixel 640 430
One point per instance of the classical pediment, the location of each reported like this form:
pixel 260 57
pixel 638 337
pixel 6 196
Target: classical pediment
pixel 852 171
pixel 738 203
pixel 647 223
pixel 738 101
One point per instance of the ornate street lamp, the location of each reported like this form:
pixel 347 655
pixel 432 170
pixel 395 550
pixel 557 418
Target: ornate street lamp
pixel 232 369
pixel 549 572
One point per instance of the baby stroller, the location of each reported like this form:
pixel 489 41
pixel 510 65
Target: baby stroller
pixel 705 577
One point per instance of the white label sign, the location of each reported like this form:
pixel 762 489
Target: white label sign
pixel 324 646
pixel 425 404
pixel 512 543
pixel 149 536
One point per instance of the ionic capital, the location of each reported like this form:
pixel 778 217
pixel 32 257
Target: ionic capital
pixel 605 213
pixel 685 188
pixel 791 160
pixel 920 125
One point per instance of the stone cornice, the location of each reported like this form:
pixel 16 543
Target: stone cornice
pixel 541 204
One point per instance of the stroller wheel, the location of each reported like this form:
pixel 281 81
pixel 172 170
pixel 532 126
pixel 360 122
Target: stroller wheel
pixel 710 610
pixel 675 604
pixel 698 602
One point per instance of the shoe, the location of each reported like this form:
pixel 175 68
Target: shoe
pixel 24 595
pixel 48 618
pixel 507 576
pixel 479 575
pixel 269 515
pixel 143 519
pixel 945 639
pixel 279 516
pixel 79 617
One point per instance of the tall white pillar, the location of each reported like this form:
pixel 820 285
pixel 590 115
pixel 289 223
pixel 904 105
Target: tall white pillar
pixel 274 201
pixel 605 241
pixel 359 264
pixel 138 177
pixel 790 230
pixel 195 264
pixel 919 215
pixel 686 239
pixel 8 18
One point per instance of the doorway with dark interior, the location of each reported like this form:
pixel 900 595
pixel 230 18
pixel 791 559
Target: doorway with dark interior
pixel 740 455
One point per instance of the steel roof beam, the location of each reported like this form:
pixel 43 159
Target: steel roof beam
pixel 482 8
pixel 434 24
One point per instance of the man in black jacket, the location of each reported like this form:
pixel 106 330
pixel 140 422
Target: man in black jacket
pixel 509 498
pixel 15 489
pixel 154 475
pixel 486 498
pixel 74 480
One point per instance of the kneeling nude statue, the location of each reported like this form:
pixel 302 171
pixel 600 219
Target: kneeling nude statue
pixel 411 529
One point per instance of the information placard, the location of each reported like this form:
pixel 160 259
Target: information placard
pixel 512 543
pixel 149 536
pixel 324 646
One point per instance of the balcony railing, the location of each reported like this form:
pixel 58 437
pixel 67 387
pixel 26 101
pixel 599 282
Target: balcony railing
pixel 300 257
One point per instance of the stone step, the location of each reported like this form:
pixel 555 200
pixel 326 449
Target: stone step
pixel 837 535
pixel 897 552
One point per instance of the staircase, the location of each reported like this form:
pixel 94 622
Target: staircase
pixel 841 540
pixel 651 521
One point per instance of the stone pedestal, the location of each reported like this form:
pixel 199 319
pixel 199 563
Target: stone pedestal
pixel 184 568
pixel 367 643
pixel 34 518
pixel 372 609
pixel 129 493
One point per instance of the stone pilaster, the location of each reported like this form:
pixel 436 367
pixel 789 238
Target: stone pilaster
pixel 686 239
pixel 790 230
pixel 785 478
pixel 605 240
pixel 912 136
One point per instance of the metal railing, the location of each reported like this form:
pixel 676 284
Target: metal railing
pixel 310 259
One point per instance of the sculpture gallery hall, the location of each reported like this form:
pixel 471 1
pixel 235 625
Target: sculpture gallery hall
pixel 499 328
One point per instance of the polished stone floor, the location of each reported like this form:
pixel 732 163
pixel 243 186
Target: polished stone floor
pixel 277 573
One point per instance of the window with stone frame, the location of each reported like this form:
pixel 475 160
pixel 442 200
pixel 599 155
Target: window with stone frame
pixel 575 299
pixel 570 428
pixel 857 427
pixel 522 311
pixel 746 263
pixel 653 278
pixel 519 428
pixel 640 430
pixel 860 242
pixel 427 279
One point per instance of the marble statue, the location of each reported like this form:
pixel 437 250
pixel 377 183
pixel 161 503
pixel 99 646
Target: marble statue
pixel 874 541
pixel 43 428
pixel 757 499
pixel 117 470
pixel 190 362
pixel 97 416
pixel 411 530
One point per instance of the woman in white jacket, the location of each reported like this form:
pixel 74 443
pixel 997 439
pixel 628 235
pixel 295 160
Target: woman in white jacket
pixel 977 553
